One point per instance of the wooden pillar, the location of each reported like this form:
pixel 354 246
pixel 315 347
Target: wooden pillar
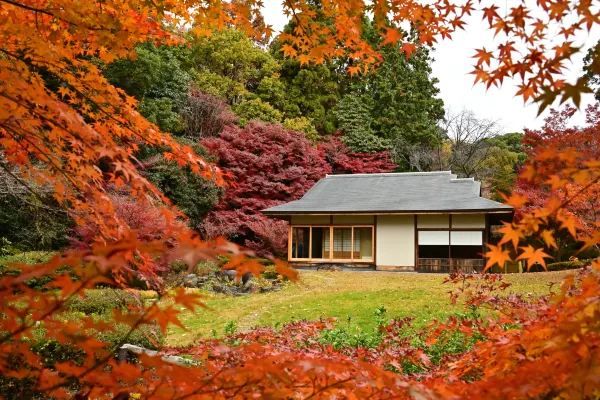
pixel 290 242
pixel 374 240
pixel 415 223
pixel 450 242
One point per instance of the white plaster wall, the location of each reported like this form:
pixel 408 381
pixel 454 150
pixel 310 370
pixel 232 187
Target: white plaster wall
pixel 310 219
pixel 468 221
pixel 395 240
pixel 433 221
pixel 353 219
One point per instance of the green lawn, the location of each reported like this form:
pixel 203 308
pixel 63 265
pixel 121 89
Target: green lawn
pixel 347 296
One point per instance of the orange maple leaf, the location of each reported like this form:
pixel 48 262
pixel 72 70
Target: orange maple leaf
pixel 496 255
pixel 533 256
pixel 483 56
pixel 490 13
pixel 408 48
pixel 510 234
pixel 391 36
pixel 548 237
pixel 568 222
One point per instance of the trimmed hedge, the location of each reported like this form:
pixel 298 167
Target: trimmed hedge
pixel 29 257
pixel 148 336
pixel 566 265
pixel 103 301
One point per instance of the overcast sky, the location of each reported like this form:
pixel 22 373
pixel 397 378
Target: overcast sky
pixel 452 64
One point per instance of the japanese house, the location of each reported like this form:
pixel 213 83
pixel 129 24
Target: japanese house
pixel 425 221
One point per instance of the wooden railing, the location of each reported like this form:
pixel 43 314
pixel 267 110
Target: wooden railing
pixel 447 265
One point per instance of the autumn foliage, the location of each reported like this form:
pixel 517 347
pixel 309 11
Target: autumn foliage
pixel 149 224
pixel 556 193
pixel 585 142
pixel 344 161
pixel 267 165
pixel 64 127
pixel 270 165
pixel 515 339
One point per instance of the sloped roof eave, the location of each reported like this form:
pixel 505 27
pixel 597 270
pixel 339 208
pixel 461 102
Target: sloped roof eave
pixel 382 212
pixel 391 193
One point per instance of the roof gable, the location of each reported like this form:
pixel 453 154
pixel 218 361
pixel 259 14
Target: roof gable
pixel 389 193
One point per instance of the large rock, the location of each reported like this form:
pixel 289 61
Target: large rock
pixel 127 349
pixel 229 274
pixel 247 277
pixel 251 286
pixel 191 280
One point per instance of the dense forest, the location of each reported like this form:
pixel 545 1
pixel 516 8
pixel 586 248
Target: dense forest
pixel 275 127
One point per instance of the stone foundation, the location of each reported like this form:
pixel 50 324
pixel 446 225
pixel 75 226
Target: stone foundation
pixel 334 267
pixel 351 267
pixel 395 268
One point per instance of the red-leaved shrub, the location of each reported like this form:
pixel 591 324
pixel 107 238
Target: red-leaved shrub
pixel 343 161
pixel 267 165
pixel 147 222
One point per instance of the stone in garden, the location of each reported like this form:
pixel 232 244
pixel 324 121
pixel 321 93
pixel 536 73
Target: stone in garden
pixel 190 280
pixel 229 274
pixel 251 286
pixel 246 277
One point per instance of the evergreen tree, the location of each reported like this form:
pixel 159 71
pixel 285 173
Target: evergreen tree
pixel 396 102
pixel 158 79
pixel 355 119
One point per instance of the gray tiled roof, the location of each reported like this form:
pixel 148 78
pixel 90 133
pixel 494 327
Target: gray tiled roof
pixel 389 193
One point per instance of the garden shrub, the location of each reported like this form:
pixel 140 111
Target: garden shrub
pixel 31 223
pixel 14 388
pixel 195 196
pixel 271 166
pixel 30 257
pixel 53 352
pixel 270 272
pixel 565 265
pixel 341 337
pixel 7 248
pixel 147 336
pixel 103 301
pixel 207 268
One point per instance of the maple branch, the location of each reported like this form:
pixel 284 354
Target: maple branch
pixel 580 191
pixel 51 14
pixel 29 189
pixel 297 18
pixel 29 8
pixel 103 360
pixel 216 389
pixel 57 306
pixel 331 385
pixel 57 168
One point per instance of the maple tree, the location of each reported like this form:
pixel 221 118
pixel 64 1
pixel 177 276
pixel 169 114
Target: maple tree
pixel 584 204
pixel 66 128
pixel 149 225
pixel 524 33
pixel 271 165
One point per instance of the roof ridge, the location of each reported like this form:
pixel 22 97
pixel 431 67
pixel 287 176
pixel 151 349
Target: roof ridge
pixel 462 180
pixel 389 174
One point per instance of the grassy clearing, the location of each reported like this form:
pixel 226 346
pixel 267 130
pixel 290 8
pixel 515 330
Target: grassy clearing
pixel 351 297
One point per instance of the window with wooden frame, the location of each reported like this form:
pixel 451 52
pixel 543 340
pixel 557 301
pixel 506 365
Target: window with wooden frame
pixel 459 243
pixel 338 243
